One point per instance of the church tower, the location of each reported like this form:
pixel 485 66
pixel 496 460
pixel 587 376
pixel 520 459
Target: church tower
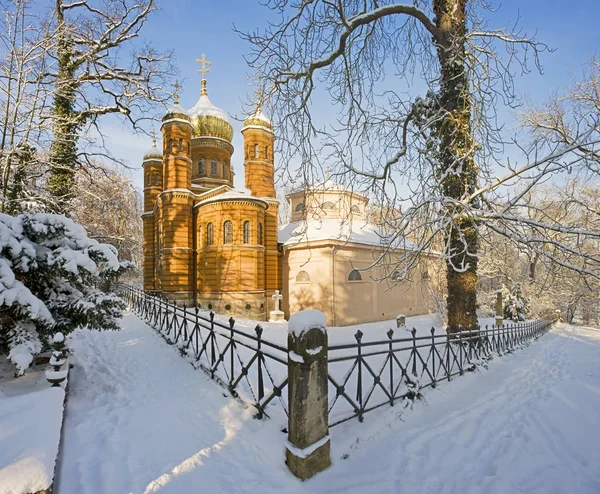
pixel 152 165
pixel 173 220
pixel 260 180
pixel 211 141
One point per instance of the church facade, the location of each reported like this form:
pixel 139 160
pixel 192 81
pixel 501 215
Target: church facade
pixel 209 244
pixel 206 242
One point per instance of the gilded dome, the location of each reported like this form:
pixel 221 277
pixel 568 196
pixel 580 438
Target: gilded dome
pixel 153 152
pixel 209 120
pixel 259 119
pixel 176 111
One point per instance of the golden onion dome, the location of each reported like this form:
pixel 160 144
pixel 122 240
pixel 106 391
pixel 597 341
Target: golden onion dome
pixel 209 120
pixel 153 152
pixel 176 111
pixel 258 119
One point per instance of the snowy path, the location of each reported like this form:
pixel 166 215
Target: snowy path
pixel 140 419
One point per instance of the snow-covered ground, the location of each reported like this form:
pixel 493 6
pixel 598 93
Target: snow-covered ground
pixel 141 419
pixel 30 420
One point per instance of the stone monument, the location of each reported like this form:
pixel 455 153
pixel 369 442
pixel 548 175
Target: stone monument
pixel 276 315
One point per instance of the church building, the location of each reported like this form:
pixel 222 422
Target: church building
pixel 210 244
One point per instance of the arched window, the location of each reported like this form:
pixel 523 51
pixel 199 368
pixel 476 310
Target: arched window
pixel 355 209
pixel 170 145
pixel 210 230
pixel 227 232
pixel 200 236
pixel 354 276
pixel 328 205
pixel 266 152
pixel 246 232
pixel 299 207
pixel 180 148
pixel 256 150
pixel 260 234
pixel 156 179
pixel 302 277
pixel 213 166
pixel 202 166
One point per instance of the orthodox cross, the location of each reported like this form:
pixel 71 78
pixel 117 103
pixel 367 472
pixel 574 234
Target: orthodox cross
pixel 260 97
pixel 177 86
pixel 203 71
pixel 153 138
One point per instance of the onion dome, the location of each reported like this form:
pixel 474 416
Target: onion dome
pixel 153 152
pixel 176 110
pixel 258 119
pixel 209 120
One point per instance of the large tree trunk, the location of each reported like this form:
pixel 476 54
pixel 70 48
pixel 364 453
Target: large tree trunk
pixel 457 168
pixel 63 154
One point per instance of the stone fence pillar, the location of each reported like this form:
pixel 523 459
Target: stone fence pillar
pixel 499 309
pixel 307 449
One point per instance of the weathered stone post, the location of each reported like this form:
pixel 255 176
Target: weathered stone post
pixel 307 449
pixel 558 315
pixel 400 321
pixel 499 309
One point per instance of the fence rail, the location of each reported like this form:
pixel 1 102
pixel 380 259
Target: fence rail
pixel 362 375
pixel 243 362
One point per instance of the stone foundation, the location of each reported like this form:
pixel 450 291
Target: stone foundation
pixel 247 305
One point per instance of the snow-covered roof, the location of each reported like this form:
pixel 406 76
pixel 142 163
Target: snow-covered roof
pixel 313 230
pixel 328 185
pixel 204 107
pixel 258 119
pixel 232 194
pixel 176 109
pixel 153 152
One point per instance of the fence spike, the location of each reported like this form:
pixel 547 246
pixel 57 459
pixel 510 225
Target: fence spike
pixel 231 322
pixel 390 333
pixel 358 335
pixel 259 330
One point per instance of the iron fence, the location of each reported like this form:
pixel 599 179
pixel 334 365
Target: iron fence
pixel 253 369
pixel 364 376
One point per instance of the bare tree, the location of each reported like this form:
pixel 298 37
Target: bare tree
pixel 109 207
pixel 24 44
pixel 436 156
pixel 99 70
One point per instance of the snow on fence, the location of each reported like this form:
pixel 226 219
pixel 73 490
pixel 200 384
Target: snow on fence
pixel 362 376
pixel 253 369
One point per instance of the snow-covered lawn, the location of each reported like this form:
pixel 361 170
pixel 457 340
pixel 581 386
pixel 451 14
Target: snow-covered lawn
pixel 30 420
pixel 141 419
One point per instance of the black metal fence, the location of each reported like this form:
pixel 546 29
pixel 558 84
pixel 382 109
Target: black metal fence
pixel 362 375
pixel 243 362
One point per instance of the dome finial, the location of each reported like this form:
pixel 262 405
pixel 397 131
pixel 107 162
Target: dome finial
pixel 260 98
pixel 177 86
pixel 203 71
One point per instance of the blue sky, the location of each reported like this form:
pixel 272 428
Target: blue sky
pixel 191 27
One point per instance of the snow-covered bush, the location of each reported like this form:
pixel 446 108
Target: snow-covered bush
pixel 512 298
pixel 49 273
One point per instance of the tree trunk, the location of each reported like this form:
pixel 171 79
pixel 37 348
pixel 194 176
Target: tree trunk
pixel 457 168
pixel 63 157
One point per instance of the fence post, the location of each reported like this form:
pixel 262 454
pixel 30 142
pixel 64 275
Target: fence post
pixel 499 309
pixel 308 446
